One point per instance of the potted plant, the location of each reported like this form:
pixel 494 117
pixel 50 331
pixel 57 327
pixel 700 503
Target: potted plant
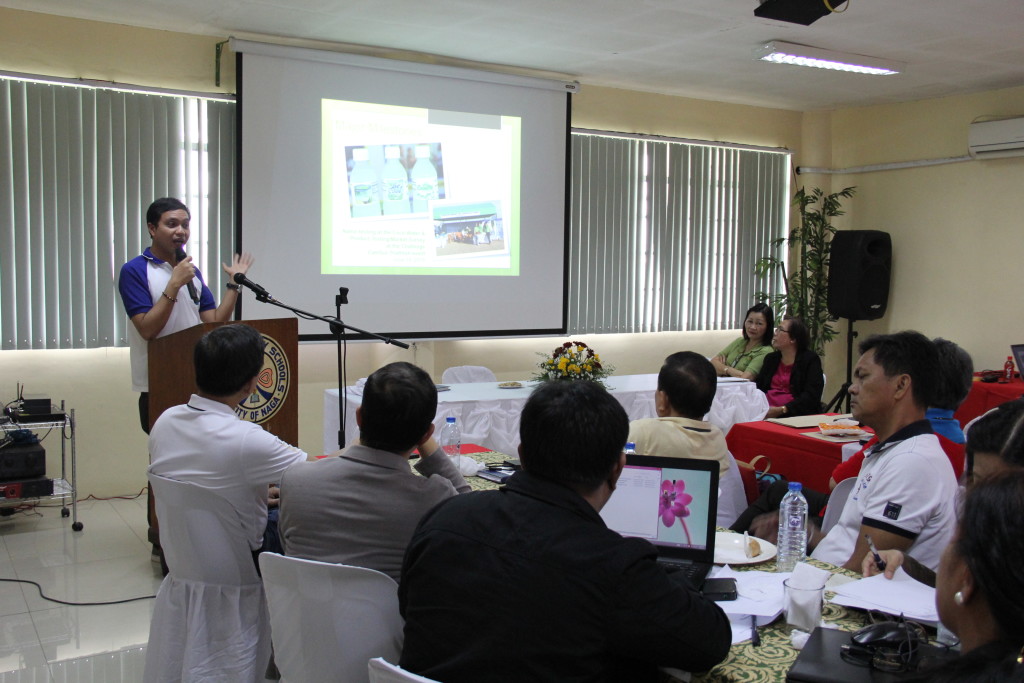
pixel 806 287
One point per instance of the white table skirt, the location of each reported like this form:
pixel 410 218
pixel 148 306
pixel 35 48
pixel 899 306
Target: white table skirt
pixel 489 416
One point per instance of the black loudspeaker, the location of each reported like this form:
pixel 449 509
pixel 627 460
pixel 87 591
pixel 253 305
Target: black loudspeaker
pixel 858 274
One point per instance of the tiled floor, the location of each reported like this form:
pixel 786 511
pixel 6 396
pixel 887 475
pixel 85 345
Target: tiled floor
pixel 108 560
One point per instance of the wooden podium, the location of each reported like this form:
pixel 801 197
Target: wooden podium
pixel 274 405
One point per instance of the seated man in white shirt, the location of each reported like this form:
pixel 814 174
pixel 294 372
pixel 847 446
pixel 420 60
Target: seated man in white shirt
pixel 205 443
pixel 905 493
pixel 687 384
pixel 686 388
pixel 361 507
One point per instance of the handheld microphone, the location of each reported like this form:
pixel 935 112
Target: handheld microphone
pixel 241 279
pixel 180 255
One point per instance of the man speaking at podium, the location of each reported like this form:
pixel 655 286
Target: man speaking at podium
pixel 164 293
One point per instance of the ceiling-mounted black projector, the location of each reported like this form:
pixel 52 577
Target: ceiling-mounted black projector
pixel 804 12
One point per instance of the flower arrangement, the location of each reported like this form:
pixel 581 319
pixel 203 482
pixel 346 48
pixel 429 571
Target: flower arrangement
pixel 573 361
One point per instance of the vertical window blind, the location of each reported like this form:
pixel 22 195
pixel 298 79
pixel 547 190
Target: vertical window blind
pixel 664 235
pixel 78 168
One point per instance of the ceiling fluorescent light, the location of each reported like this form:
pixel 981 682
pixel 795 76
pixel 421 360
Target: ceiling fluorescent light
pixel 801 55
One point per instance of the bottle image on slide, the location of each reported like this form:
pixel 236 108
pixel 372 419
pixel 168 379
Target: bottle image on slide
pixel 424 180
pixel 362 184
pixel 395 191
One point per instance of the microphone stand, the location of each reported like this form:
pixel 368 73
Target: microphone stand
pixel 341 298
pixel 337 329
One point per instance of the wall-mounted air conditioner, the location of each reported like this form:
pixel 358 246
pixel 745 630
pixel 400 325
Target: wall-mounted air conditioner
pixel 991 139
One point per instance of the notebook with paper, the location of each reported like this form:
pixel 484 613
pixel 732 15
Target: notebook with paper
pixel 671 502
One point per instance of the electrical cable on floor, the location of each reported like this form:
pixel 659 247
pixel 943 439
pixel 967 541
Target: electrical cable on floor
pixel 77 604
pixel 94 497
pixel 124 497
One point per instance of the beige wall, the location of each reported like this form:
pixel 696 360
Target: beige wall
pixel 950 225
pixel 627 111
pixel 72 48
pixel 957 229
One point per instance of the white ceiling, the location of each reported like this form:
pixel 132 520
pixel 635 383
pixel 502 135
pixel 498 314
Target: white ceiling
pixel 695 48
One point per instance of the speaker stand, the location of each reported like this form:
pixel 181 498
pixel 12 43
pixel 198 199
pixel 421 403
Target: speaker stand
pixel 844 391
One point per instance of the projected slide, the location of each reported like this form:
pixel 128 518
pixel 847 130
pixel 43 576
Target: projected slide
pixel 413 191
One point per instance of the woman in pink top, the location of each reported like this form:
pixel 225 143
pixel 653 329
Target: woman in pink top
pixel 791 376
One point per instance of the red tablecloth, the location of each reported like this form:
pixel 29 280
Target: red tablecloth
pixel 985 396
pixel 794 456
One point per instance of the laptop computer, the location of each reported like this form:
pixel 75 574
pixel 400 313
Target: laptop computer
pixel 1018 356
pixel 650 502
pixel 821 661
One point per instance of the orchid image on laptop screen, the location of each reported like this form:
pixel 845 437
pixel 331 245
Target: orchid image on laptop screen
pixel 668 501
pixel 673 503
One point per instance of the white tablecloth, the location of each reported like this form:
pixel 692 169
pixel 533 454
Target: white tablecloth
pixel 489 416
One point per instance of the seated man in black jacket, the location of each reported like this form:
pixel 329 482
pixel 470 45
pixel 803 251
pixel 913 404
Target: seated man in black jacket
pixel 528 584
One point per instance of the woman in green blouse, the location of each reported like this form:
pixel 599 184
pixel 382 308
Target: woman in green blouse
pixel 743 357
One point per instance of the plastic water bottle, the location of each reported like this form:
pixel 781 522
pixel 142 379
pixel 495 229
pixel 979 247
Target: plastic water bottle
pixel 395 182
pixel 424 180
pixel 451 439
pixel 792 528
pixel 363 185
pixel 630 448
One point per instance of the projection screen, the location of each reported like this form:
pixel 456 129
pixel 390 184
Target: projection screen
pixel 436 195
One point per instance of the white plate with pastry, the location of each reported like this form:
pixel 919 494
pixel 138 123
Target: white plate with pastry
pixel 841 427
pixel 731 548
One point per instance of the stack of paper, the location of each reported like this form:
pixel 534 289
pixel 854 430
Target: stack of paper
pixel 899 595
pixel 761 595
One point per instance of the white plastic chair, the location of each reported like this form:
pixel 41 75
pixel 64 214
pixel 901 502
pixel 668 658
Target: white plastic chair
pixel 382 671
pixel 732 499
pixel 836 503
pixel 210 616
pixel 460 374
pixel 328 619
